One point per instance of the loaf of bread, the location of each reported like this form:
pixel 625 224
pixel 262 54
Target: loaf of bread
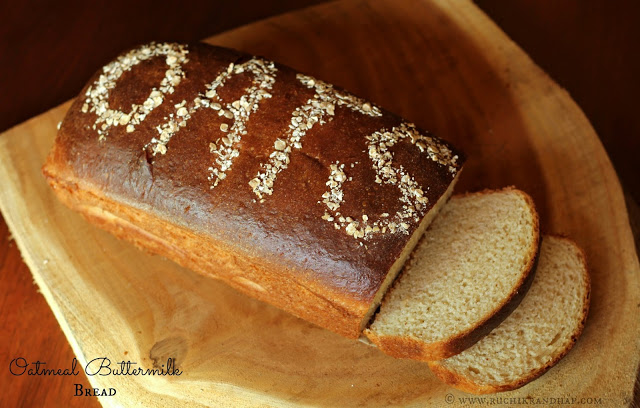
pixel 470 270
pixel 287 188
pixel 536 335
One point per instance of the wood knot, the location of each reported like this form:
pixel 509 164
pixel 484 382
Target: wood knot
pixel 174 348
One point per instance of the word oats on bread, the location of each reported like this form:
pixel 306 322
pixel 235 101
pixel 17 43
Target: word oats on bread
pixel 318 109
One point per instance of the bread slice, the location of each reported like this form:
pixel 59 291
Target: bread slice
pixel 469 271
pixel 536 335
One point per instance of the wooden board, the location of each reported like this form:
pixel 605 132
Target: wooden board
pixel 443 65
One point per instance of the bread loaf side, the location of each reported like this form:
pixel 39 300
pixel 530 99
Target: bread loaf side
pixel 287 188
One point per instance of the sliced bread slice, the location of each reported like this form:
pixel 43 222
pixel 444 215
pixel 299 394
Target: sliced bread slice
pixel 469 271
pixel 536 335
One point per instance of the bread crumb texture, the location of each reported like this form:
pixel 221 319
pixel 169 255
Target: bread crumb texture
pixel 476 253
pixel 537 334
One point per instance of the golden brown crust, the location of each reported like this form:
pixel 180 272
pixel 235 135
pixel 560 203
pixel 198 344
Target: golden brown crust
pixel 410 348
pixel 209 258
pixel 466 384
pixel 310 268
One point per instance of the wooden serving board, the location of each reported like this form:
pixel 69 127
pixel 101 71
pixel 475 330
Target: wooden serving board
pixel 443 65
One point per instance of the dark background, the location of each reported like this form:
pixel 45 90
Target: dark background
pixel 48 50
pixel 590 47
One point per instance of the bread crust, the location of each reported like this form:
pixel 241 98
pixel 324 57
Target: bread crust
pixel 276 247
pixel 466 384
pixel 415 349
pixel 208 257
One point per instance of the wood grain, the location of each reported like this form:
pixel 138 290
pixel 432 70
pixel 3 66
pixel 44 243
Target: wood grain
pixel 443 65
